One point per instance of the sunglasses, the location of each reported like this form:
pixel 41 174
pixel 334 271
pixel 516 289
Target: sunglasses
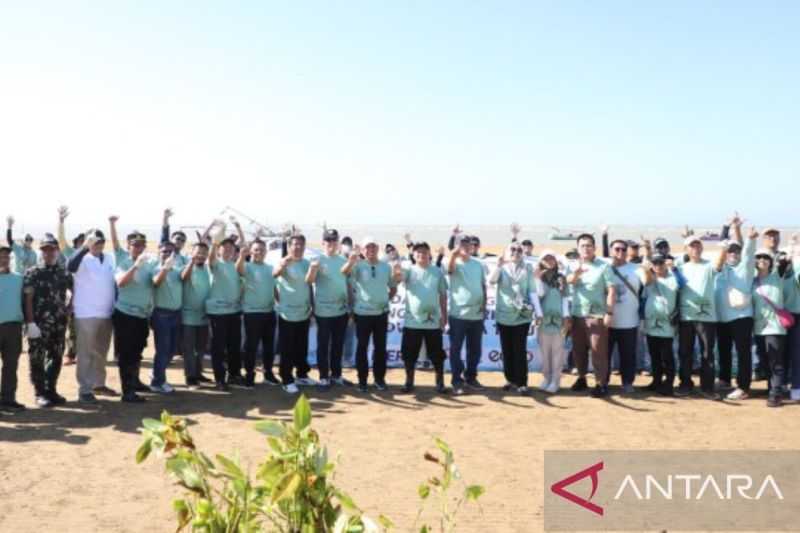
pixel 516 250
pixel 620 248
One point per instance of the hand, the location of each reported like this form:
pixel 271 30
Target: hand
pixel 457 229
pixel 314 265
pixel 356 251
pixel 234 221
pixel 169 264
pixel 501 260
pixel 407 237
pixel 140 261
pixel 753 235
pixel 219 235
pixel 10 221
pixel 63 213
pixel 736 221
pixel 607 320
pixel 168 212
pixel 515 229
pixel 33 331
pixel 538 321
pixel 113 219
pixel 90 239
pixel 443 323
pixel 286 261
pixel 578 272
pixel 604 229
pixel 353 258
pixel 440 251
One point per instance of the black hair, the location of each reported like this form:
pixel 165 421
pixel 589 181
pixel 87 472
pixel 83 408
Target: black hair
pixel 257 241
pixel 299 237
pixel 200 244
pixel 587 236
pixel 615 241
pixel 420 246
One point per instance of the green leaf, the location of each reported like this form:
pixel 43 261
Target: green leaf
pixel 386 523
pixel 442 445
pixel 144 450
pixel 185 473
pixel 270 428
pixel 473 492
pixel 347 503
pixel 230 467
pixel 302 413
pixel 153 425
pixel 424 529
pixel 286 487
pixel 424 491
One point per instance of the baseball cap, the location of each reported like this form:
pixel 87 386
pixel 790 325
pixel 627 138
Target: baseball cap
pixel 97 234
pixel 366 241
pixel 659 258
pixel 571 253
pixel 347 241
pixel 633 244
pixel 463 239
pixel 660 242
pixel 763 252
pixel 48 241
pixel 28 237
pixel 135 236
pixel 771 230
pixel 732 246
pixel 330 235
pixel 389 247
pixel 546 252
pixel 475 240
pixel 691 239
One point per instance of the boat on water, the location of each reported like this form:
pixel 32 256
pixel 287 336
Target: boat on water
pixel 558 235
pixel 710 236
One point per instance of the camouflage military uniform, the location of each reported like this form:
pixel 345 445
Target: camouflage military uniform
pixel 49 286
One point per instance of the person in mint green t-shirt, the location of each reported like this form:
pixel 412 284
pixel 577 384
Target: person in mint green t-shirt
pixel 258 310
pixel 11 318
pixel 790 266
pixel 466 308
pixel 425 313
pixel 769 331
pixel 661 300
pixel 331 294
pixel 294 313
pixel 24 255
pixel 166 319
pixel 194 321
pixel 555 322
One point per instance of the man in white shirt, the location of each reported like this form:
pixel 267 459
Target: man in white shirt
pixel 625 320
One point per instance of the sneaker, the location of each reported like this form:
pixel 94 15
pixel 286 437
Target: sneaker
pixel 600 391
pixel 141 387
pixel 222 387
pixel 105 391
pixel 381 385
pixel 56 398
pixel 552 388
pixel 522 390
pixel 738 394
pixel 474 384
pixel 192 384
pixel 579 385
pixel 202 379
pixel 362 387
pixel 236 380
pixel 441 389
pixel 710 395
pixel 291 388
pixel 164 388
pixel 407 388
pixel 324 384
pixel 666 389
pixel 794 395
pixel 774 401
pixel 683 390
pixel 458 389
pixel 87 397
pixel 508 386
pixel 342 382
pixel 627 388
pixel 44 401
pixel 132 397
pixel 306 381
pixel 13 405
pixel 544 385
pixel 270 379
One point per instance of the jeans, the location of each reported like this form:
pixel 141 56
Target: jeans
pixel 514 346
pixel 294 349
pixel 626 340
pixel 195 341
pixel 689 331
pixel 472 332
pixel 226 343
pixel 330 345
pixel 771 350
pixel 165 324
pixel 258 328
pixel 371 326
pixel 131 334
pixel 737 332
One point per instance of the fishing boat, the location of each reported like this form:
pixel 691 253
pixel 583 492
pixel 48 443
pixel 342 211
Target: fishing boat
pixel 558 235
pixel 710 236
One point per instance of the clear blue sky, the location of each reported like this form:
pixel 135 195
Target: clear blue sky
pixel 403 112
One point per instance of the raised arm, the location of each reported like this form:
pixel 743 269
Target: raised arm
pixel 10 230
pixel 186 273
pixel 63 213
pixel 313 270
pixel 112 220
pixel 241 262
pixel 165 225
pixel 604 233
pixel 494 277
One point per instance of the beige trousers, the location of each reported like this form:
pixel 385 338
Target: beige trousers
pixel 93 342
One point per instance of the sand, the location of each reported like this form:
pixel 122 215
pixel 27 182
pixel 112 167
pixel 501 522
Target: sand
pixel 72 469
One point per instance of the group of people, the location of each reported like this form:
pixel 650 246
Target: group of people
pixel 221 286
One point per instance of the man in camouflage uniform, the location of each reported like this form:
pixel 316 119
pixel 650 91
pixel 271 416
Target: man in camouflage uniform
pixel 46 311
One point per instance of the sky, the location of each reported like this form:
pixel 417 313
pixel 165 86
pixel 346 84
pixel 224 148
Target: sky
pixel 401 112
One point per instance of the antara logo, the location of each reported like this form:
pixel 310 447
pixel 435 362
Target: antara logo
pixel 559 488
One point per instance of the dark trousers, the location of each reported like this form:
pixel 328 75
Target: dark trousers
pixel 330 345
pixel 771 348
pixel 662 359
pixel 625 340
pixel 793 352
pixel 258 328
pixel 226 345
pixel 371 326
pixel 688 333
pixel 472 332
pixel 411 344
pixel 10 348
pixel 738 333
pixel 293 338
pixel 514 345
pixel 130 336
pixel 590 334
pixel 45 354
pixel 195 341
pixel 166 324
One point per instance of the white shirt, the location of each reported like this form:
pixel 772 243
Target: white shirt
pixel 94 288
pixel 626 308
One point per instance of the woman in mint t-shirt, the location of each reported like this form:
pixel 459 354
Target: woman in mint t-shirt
pixel 516 294
pixel 769 332
pixel 555 323
pixel 661 300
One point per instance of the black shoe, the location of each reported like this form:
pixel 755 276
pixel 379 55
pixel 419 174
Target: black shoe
pixel 44 401
pixel 141 387
pixel 654 386
pixel 222 387
pixel 774 401
pixel 683 390
pixel 600 391
pixel 362 387
pixel 440 388
pixel 192 384
pixel 579 385
pixel 14 405
pixel 381 385
pixel 236 380
pixel 407 388
pixel 458 389
pixel 270 379
pixel 132 397
pixel 56 398
pixel 250 381
pixel 666 389
pixel 343 382
pixel 202 379
pixel 474 384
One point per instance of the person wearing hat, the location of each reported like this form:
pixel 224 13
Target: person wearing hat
pixel 734 283
pixel 194 320
pixel 425 314
pixel 224 310
pixel 594 294
pixel 258 311
pixel 791 295
pixel 331 294
pixel 93 304
pixel 373 287
pixel 134 275
pixel 46 313
pixel 11 318
pixel 466 309
pixel 770 242
pixel 551 289
pixel 67 250
pixel 698 319
pixel 25 255
pixel 177 238
pixel 294 314
pixel 660 318
pixel 770 332
pixel 166 317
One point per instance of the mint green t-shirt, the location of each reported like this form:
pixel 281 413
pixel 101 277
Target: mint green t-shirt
pixel 24 258
pixel 371 286
pixel 765 317
pixel 423 286
pixel 135 298
pixel 514 306
pixel 467 284
pixel 552 302
pixel 330 288
pixel 195 293
pixel 697 295
pixel 225 295
pixel 294 292
pixel 739 277
pixel 791 287
pixel 661 298
pixel 169 295
pixel 259 288
pixel 589 293
pixel 11 297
